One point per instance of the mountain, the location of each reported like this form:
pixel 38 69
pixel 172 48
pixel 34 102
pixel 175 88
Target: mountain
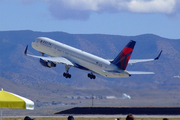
pixel 25 70
pixel 25 76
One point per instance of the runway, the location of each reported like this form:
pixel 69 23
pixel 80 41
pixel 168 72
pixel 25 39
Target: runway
pixel 121 111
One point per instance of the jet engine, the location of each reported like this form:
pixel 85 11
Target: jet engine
pixel 47 63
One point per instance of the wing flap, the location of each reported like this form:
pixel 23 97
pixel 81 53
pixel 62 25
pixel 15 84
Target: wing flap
pixel 139 60
pixel 111 71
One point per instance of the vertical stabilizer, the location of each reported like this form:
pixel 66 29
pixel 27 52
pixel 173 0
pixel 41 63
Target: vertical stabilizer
pixel 122 59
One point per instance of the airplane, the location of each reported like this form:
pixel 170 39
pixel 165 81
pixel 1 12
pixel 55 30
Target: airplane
pixel 73 57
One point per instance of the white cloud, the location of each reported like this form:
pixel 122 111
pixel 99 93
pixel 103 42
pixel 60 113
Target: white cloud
pixel 82 9
pixel 154 6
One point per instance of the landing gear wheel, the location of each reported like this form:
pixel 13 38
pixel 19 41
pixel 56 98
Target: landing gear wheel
pixel 94 77
pixel 67 75
pixel 91 76
pixel 64 74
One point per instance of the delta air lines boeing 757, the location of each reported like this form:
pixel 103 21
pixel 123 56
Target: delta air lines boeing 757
pixel 72 57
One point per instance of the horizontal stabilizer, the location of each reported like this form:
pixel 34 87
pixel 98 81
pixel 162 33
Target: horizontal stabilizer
pixel 140 72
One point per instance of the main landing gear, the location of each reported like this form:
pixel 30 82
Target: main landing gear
pixel 67 75
pixel 91 76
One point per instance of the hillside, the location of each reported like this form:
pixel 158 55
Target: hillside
pixel 25 76
pixel 24 70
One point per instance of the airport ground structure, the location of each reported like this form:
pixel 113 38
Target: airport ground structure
pixel 122 111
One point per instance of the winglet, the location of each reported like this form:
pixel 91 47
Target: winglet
pixel 158 56
pixel 25 52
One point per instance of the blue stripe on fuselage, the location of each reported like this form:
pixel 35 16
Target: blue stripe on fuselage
pixel 81 67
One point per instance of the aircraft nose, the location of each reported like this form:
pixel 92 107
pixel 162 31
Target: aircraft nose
pixel 33 44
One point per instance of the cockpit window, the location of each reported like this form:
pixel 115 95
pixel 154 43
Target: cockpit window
pixel 36 40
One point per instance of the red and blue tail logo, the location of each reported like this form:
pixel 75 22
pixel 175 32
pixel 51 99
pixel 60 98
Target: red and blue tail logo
pixel 122 59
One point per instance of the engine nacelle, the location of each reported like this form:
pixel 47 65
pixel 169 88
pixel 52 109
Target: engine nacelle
pixel 47 63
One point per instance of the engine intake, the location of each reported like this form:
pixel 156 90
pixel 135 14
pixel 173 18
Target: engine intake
pixel 47 63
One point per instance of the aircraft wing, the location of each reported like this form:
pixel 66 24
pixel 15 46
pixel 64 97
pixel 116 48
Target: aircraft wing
pixel 130 72
pixel 131 61
pixel 111 71
pixel 53 59
pixel 142 60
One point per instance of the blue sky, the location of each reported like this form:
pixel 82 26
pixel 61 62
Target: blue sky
pixel 115 17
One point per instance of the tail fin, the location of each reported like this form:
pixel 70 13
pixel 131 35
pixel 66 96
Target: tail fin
pixel 122 59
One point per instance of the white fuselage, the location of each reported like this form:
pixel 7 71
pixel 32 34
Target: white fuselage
pixel 79 58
